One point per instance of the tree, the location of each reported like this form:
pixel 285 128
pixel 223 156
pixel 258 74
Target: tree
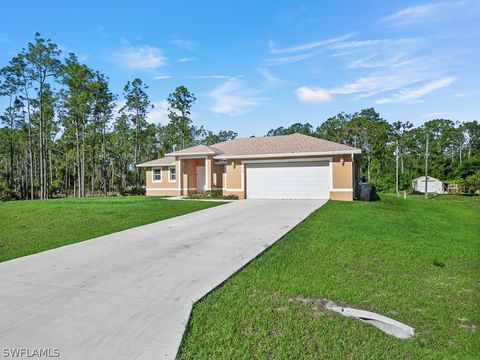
pixel 17 84
pixel 12 117
pixel 102 108
pixel 122 150
pixel 211 138
pixel 300 128
pixel 180 132
pixel 471 134
pixel 41 63
pixel 368 131
pixel 442 147
pixel 334 128
pixel 136 109
pixel 76 108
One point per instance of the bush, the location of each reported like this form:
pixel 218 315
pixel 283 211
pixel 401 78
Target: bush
pixel 137 191
pixel 385 184
pixel 230 197
pixel 7 194
pixel 472 183
pixel 469 167
pixel 133 191
pixel 213 194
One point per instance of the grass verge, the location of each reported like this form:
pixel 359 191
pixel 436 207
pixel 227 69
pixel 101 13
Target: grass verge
pixel 28 227
pixel 411 259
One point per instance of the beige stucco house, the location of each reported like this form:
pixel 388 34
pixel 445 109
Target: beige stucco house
pixel 281 167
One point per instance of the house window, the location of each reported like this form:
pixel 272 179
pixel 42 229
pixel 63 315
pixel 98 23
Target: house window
pixel 172 175
pixel 157 175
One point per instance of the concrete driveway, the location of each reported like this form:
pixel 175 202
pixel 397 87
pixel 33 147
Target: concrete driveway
pixel 129 295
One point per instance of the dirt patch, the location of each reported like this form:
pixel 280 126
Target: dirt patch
pixel 472 327
pixel 314 303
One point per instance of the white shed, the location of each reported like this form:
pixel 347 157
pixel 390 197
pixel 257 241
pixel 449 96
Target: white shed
pixel 433 185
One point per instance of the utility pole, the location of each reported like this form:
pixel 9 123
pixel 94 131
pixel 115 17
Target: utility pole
pixel 426 169
pixel 396 170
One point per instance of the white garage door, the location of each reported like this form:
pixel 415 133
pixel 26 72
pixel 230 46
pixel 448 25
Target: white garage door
pixel 288 180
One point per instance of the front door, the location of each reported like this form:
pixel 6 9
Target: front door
pixel 200 179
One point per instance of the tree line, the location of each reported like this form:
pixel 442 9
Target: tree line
pixel 454 148
pixel 64 134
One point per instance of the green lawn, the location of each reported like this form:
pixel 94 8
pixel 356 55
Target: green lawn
pixel 375 256
pixel 28 227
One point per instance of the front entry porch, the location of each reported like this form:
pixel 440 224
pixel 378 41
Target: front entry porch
pixel 199 174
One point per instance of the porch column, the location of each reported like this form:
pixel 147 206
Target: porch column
pixel 208 173
pixel 179 176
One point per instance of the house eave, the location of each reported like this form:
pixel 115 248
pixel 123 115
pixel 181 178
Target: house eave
pixel 203 153
pixel 154 165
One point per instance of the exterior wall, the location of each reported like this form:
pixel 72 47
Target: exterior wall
pixel 162 188
pixel 231 177
pixel 342 174
pixel 234 173
pixel 342 196
pixel 342 177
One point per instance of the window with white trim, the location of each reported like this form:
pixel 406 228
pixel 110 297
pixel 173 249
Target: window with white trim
pixel 172 175
pixel 157 175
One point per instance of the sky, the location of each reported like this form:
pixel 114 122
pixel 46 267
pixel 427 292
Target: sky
pixel 258 65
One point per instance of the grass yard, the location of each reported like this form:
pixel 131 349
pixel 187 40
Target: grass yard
pixel 28 227
pixel 384 257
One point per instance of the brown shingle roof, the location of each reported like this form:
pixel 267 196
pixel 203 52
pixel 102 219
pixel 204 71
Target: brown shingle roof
pixel 286 144
pixel 198 149
pixel 165 161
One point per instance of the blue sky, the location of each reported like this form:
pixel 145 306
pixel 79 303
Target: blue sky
pixel 257 65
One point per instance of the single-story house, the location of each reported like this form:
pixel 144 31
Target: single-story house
pixel 279 167
pixel 433 185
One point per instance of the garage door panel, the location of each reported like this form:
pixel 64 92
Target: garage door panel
pixel 295 180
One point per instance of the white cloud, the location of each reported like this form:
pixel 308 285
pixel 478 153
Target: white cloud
pixel 412 14
pixel 466 93
pixel 161 77
pixel 433 115
pixel 269 78
pixel 313 95
pixel 186 59
pixel 357 44
pixel 433 12
pixel 231 98
pixel 159 113
pixel 308 46
pixel 370 85
pixel 183 43
pixel 415 94
pixel 380 60
pixel 214 77
pixel 287 59
pixel 141 57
